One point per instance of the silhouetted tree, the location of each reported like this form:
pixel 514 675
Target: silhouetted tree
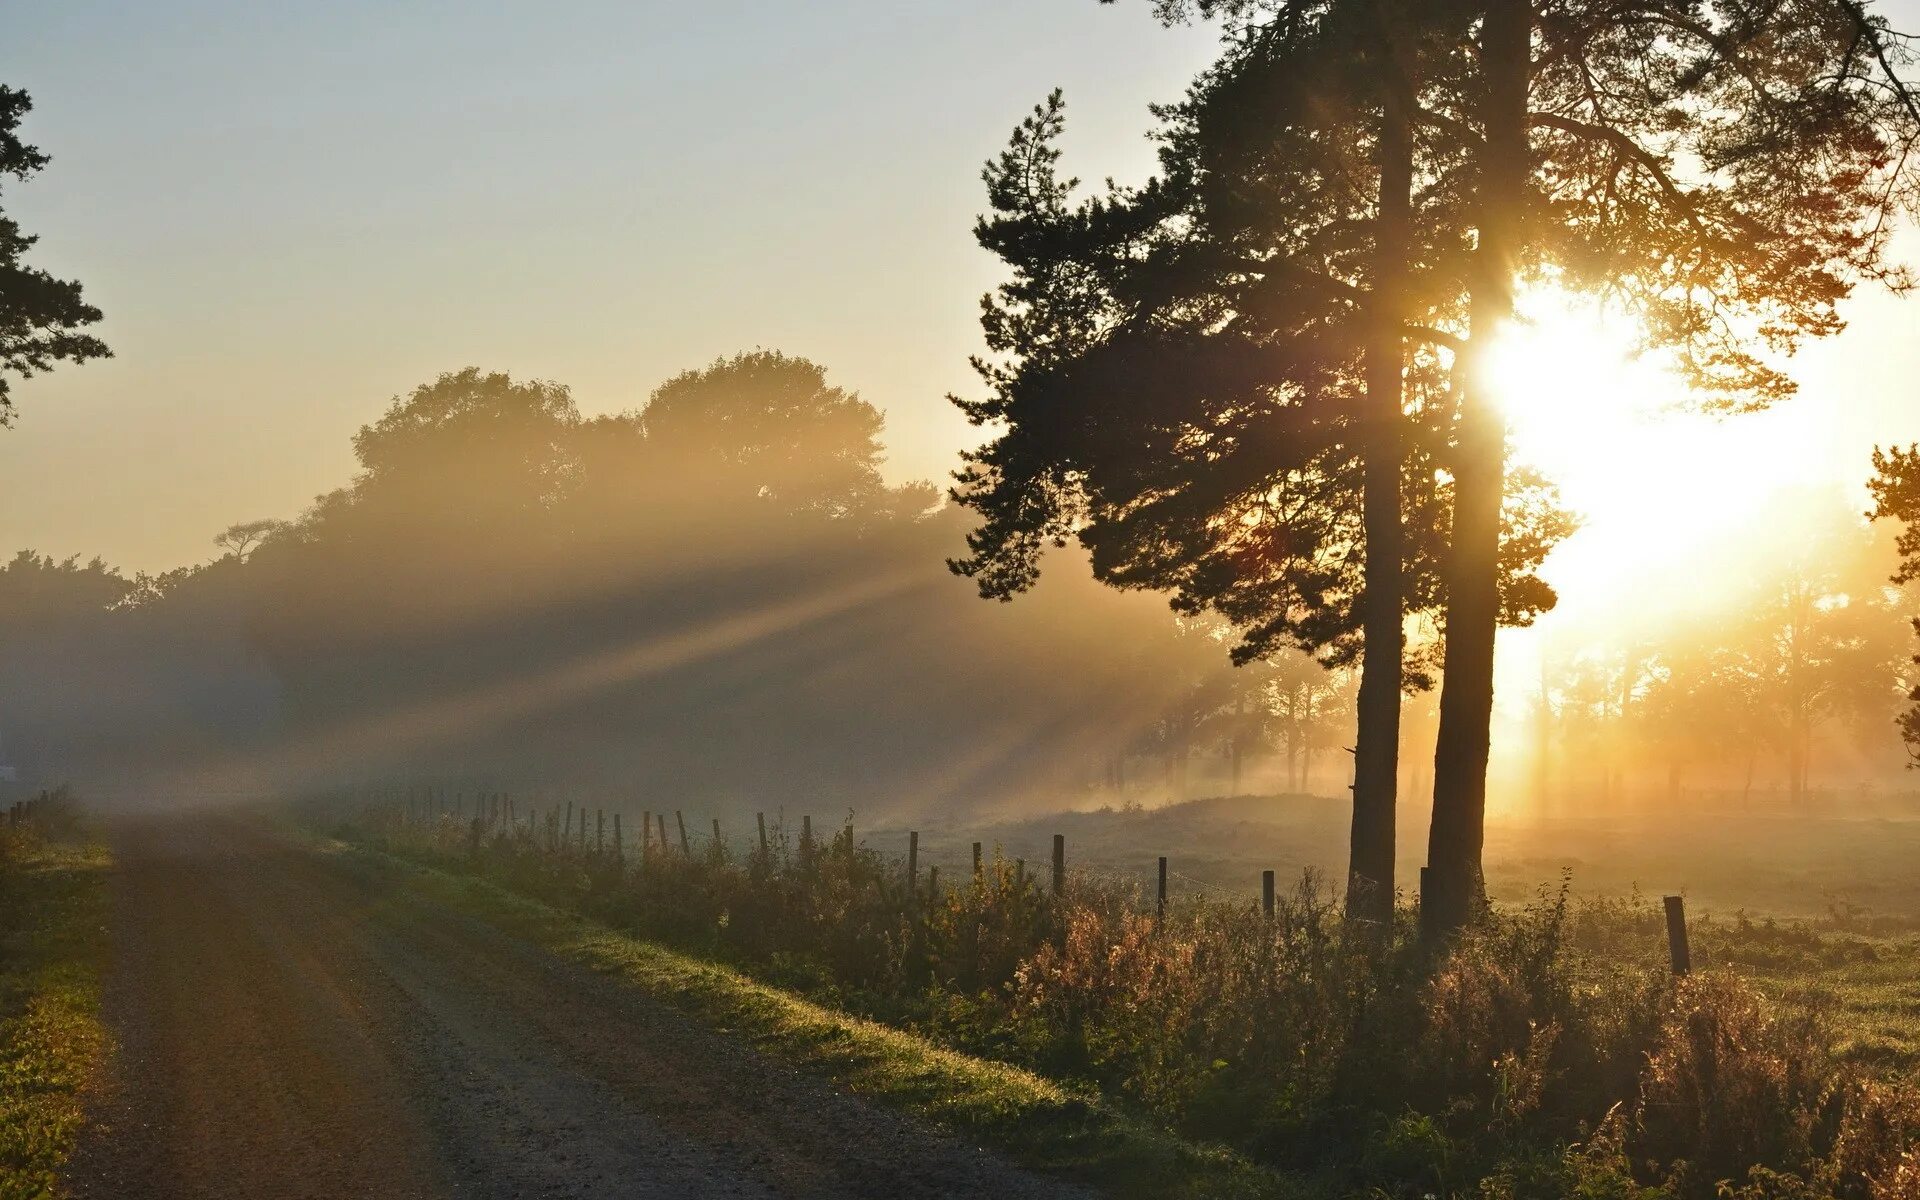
pixel 767 426
pixel 240 538
pixel 40 316
pixel 1896 496
pixel 1202 379
pixel 1723 172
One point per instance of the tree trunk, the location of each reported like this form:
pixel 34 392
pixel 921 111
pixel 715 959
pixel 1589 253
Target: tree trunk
pixel 1376 753
pixel 1458 833
pixel 1796 762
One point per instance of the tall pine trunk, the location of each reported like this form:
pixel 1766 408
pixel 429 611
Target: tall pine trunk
pixel 1376 766
pixel 1458 833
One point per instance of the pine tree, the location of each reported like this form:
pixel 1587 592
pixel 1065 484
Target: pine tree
pixel 40 316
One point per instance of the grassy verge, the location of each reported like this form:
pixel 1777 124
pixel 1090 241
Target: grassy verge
pixel 52 946
pixel 1038 1123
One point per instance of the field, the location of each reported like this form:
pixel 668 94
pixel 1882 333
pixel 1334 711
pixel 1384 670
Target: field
pixel 1822 907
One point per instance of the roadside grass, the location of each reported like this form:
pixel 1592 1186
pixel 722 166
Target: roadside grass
pixel 1064 1131
pixel 1548 1052
pixel 52 947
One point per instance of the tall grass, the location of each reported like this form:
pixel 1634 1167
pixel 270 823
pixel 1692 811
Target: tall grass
pixel 1546 1053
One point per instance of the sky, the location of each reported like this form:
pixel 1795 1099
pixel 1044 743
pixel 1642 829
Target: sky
pixel 292 214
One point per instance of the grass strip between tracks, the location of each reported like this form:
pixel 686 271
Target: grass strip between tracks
pixel 1053 1129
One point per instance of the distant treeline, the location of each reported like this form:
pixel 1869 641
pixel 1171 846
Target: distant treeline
pixel 717 596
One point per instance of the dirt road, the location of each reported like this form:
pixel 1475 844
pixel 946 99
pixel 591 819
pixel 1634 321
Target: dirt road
pixel 298 1026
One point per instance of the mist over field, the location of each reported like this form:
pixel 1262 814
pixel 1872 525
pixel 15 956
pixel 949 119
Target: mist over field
pixel 1195 599
pixel 717 602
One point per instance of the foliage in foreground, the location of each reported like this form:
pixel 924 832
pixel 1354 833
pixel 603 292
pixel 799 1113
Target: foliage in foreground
pixel 1537 1057
pixel 52 902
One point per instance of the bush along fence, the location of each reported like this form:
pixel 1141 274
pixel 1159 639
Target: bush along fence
pixel 1553 1050
pixel 47 814
pixel 26 812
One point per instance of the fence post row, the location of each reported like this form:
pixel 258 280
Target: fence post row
pixel 413 805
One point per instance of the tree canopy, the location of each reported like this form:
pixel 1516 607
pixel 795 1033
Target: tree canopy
pixel 41 317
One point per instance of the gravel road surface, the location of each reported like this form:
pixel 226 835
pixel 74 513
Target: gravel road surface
pixel 295 1025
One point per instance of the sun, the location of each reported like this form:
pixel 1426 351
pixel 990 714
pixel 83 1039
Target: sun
pixel 1577 395
pixel 1655 482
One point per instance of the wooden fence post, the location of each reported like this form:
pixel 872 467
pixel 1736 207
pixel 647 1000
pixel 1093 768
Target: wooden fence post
pixel 718 846
pixel 976 862
pixel 1677 949
pixel 933 885
pixel 1266 892
pixel 1160 906
pixel 806 841
pixel 566 834
pixel 686 847
pixel 913 859
pixel 760 819
pixel 660 818
pixel 1059 863
pixel 600 831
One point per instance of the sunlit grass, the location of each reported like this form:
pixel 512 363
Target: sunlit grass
pixel 1869 987
pixel 52 943
pixel 1040 1123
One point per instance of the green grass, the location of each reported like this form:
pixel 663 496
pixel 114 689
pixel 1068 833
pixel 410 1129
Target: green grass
pixel 52 946
pixel 1868 985
pixel 1053 1129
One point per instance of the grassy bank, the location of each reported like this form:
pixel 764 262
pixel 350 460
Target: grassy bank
pixel 52 946
pixel 1051 1128
pixel 1548 1053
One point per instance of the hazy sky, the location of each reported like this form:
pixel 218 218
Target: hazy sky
pixel 290 213
pixel 293 213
